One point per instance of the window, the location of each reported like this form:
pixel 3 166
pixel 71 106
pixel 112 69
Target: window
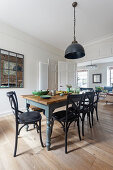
pixel 82 78
pixel 11 69
pixel 110 76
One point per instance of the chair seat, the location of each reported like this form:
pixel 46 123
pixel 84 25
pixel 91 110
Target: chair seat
pixel 85 109
pixel 61 116
pixel 29 117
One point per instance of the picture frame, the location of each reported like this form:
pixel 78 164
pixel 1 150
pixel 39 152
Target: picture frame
pixel 97 78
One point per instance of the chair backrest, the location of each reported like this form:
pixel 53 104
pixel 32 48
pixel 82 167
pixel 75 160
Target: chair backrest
pixel 76 101
pixel 90 97
pixel 96 97
pixel 13 102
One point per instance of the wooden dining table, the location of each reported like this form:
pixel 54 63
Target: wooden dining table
pixel 49 105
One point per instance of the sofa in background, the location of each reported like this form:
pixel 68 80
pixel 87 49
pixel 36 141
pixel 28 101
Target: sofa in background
pixel 108 88
pixel 104 89
pixel 83 88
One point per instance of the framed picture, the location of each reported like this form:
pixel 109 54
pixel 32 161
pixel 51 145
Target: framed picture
pixel 97 78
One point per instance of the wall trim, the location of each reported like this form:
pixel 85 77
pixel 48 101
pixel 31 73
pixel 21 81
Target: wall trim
pixel 99 40
pixel 10 112
pixel 5 113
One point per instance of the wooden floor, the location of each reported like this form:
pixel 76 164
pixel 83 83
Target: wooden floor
pixel 94 152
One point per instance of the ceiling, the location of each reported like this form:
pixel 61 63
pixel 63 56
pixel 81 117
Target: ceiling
pixel 99 61
pixel 52 20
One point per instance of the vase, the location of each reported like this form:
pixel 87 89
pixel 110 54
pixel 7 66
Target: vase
pixel 68 89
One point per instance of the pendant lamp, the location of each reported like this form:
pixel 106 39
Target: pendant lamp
pixel 75 50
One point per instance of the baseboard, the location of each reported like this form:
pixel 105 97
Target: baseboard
pixel 6 114
pixel 9 112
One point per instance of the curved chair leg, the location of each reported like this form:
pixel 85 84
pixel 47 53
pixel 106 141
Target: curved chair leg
pixel 20 129
pixel 96 112
pixel 16 140
pixel 83 117
pixel 92 117
pixel 37 127
pixel 66 138
pixel 64 126
pixel 40 134
pixel 78 129
pixel 82 127
pixel 34 126
pixel 43 112
pixel 89 121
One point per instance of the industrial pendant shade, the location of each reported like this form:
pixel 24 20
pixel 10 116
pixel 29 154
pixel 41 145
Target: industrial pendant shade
pixel 75 50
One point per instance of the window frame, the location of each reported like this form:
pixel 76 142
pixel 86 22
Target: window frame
pixel 82 70
pixel 16 55
pixel 110 68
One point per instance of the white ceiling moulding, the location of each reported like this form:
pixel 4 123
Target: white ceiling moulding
pixel 99 40
pixel 95 62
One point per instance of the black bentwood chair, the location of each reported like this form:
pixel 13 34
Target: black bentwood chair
pixel 66 117
pixel 23 118
pixel 87 108
pixel 95 105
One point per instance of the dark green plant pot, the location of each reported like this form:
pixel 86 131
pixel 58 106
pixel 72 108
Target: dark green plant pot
pixel 40 93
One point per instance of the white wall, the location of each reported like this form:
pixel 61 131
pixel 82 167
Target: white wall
pixel 101 69
pixel 101 48
pixel 66 74
pixel 53 79
pixel 34 51
pixel 43 76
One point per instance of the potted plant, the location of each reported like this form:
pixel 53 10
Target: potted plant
pixel 68 87
pixel 99 89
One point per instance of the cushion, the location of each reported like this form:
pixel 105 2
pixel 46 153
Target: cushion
pixel 61 116
pixel 29 117
pixel 109 88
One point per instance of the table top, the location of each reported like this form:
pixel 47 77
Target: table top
pixel 38 99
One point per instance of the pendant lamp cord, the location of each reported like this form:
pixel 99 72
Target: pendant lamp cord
pixel 74 26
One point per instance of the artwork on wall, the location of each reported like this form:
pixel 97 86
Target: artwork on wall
pixel 11 69
pixel 97 78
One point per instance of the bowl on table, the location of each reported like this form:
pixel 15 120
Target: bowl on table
pixel 40 93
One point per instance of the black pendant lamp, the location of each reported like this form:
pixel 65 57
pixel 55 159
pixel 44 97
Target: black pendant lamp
pixel 75 50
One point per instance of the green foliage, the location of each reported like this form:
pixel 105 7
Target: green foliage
pixel 98 88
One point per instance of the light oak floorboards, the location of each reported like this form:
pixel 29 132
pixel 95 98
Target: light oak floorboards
pixel 94 152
